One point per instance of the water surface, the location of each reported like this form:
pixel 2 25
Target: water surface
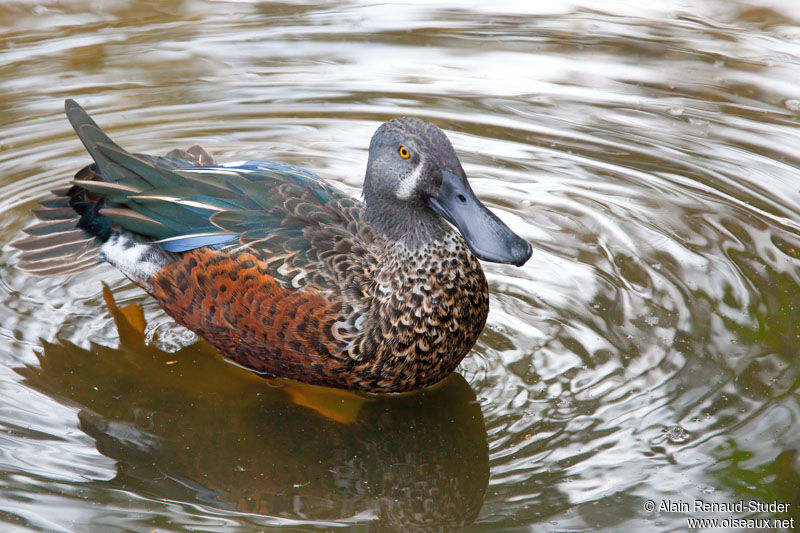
pixel 647 351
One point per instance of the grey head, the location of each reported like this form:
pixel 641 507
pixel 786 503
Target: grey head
pixel 414 180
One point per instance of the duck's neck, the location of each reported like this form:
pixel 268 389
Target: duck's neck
pixel 411 224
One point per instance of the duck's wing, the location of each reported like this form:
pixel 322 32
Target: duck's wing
pixel 306 230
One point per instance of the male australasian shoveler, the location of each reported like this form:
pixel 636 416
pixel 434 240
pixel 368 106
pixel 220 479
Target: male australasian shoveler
pixel 282 272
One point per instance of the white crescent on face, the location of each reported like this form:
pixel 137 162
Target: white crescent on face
pixel 408 185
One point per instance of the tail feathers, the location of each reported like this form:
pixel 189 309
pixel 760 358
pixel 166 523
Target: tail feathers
pixel 56 245
pixel 114 163
pixel 75 230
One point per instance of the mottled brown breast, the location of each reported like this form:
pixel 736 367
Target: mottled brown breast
pixel 428 309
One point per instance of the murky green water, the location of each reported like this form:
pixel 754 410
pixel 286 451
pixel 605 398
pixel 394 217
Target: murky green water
pixel 648 351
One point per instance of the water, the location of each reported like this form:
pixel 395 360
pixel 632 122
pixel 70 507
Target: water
pixel 647 351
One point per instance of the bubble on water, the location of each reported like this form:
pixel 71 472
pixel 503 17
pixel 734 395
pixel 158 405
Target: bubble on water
pixel 171 337
pixel 792 104
pixel 676 434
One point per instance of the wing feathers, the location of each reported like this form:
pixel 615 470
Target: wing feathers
pixel 136 222
pixel 107 189
pixel 182 243
pixel 202 204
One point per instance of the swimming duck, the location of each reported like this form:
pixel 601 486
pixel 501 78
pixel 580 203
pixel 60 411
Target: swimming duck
pixel 283 273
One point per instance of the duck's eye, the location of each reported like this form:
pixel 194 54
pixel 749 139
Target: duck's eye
pixel 404 153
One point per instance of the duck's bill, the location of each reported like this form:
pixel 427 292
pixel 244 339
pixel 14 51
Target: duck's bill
pixel 487 236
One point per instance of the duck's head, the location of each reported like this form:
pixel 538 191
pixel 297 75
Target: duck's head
pixel 414 175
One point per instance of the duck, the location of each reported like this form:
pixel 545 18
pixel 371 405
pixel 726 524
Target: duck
pixel 285 274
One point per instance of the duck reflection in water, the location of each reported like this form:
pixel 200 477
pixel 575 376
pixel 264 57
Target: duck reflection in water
pixel 201 430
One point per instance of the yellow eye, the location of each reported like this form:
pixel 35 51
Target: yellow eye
pixel 404 153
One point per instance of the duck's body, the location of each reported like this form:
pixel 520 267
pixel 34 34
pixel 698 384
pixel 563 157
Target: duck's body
pixel 285 274
pixel 382 325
